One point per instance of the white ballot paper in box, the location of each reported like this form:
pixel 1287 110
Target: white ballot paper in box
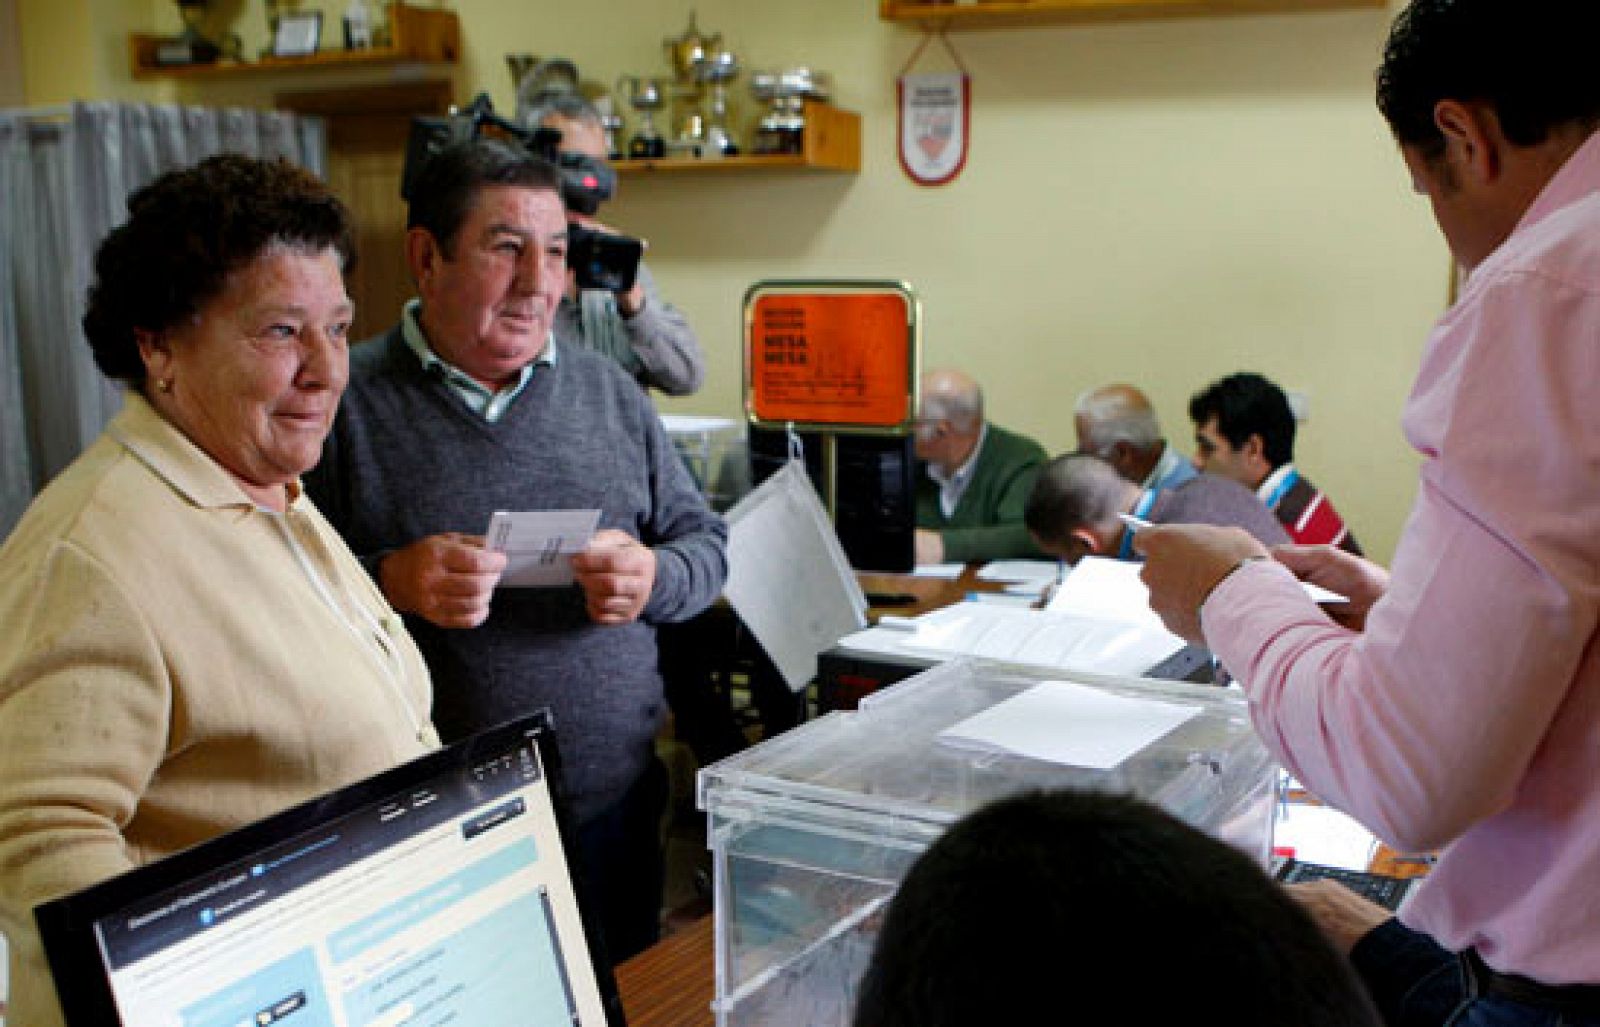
pixel 539 544
pixel 788 578
pixel 1075 725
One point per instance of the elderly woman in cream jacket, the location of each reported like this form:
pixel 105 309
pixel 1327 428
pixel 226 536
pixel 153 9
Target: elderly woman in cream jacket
pixel 188 646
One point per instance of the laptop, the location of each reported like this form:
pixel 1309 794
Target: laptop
pixel 437 892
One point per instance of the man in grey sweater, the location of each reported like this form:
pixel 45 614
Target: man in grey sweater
pixel 468 406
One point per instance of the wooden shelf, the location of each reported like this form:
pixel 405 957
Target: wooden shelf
pixel 832 142
pixel 420 36
pixel 1003 13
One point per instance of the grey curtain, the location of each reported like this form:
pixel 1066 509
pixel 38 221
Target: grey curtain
pixel 16 460
pixel 64 183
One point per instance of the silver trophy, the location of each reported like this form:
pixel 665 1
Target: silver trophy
pixel 685 54
pixel 645 95
pixel 782 128
pixel 717 70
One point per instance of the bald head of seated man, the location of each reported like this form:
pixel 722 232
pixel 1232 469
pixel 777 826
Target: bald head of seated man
pixel 973 476
pixel 1072 511
pixel 1118 424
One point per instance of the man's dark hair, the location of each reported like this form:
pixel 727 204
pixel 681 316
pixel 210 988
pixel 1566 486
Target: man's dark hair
pixel 1531 60
pixel 1246 404
pixel 1072 491
pixel 1077 907
pixel 190 229
pixel 449 182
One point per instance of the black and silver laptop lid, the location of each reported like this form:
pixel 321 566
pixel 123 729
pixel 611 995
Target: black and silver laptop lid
pixel 435 893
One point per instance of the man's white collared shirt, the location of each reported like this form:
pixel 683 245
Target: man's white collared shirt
pixel 951 489
pixel 490 404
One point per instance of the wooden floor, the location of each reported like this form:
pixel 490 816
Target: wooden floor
pixel 671 984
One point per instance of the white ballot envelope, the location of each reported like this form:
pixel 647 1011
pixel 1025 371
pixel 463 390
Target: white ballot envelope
pixel 788 577
pixel 539 544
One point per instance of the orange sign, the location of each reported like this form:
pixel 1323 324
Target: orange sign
pixel 830 358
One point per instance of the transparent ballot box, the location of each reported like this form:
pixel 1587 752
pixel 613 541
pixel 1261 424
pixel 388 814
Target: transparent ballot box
pixel 812 831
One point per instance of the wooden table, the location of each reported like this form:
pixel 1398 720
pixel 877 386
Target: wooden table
pixel 927 594
pixel 671 983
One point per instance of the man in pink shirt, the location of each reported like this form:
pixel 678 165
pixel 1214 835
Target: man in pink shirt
pixel 1455 704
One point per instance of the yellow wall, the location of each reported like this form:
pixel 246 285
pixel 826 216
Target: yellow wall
pixel 11 94
pixel 78 49
pixel 1162 202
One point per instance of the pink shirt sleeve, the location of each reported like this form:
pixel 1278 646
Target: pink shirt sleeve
pixel 1431 720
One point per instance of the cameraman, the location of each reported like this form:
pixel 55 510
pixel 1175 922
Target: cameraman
pixel 636 327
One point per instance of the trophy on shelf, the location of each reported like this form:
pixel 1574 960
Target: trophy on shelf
pixel 520 65
pixel 611 124
pixel 645 95
pixel 191 45
pixel 782 128
pixel 717 70
pixel 685 55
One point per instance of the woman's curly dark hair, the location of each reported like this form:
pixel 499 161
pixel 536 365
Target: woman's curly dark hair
pixel 186 233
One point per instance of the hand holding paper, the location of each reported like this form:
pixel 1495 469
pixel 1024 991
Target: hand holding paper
pixel 539 544
pixel 1359 583
pixel 1184 562
pixel 445 579
pixel 616 574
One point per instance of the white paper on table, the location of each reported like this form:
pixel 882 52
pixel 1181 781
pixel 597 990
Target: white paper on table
pixel 1075 725
pixel 1015 635
pixel 1031 572
pixel 539 544
pixel 788 577
pixel 883 639
pixel 946 571
pixel 1098 586
pixel 1018 600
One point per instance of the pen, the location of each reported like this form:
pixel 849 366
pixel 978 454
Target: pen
pixel 1135 522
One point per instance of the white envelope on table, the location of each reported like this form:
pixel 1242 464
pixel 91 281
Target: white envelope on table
pixel 539 544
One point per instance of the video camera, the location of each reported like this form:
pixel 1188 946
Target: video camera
pixel 601 260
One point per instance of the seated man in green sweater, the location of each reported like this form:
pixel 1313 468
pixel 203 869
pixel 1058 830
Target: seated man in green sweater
pixel 973 477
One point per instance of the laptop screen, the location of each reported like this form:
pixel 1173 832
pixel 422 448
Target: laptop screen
pixel 436 893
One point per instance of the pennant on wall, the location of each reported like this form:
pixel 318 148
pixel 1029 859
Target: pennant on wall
pixel 934 120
